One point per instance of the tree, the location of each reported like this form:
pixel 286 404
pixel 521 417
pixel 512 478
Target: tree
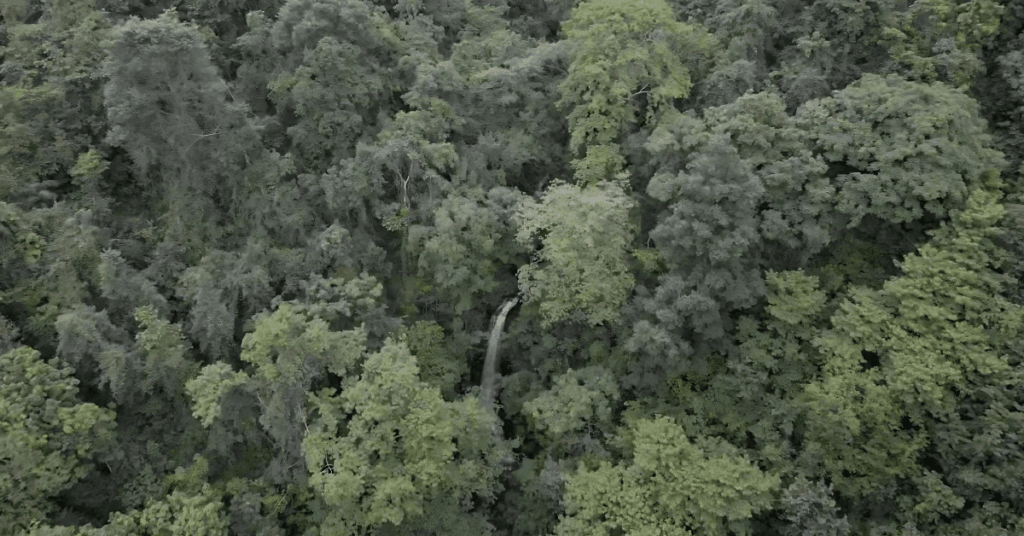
pixel 823 46
pixel 579 405
pixel 289 352
pixel 168 107
pixel 746 32
pixel 180 512
pixel 470 243
pixel 48 95
pixel 627 58
pixel 896 359
pixel 900 151
pixel 751 397
pixel 387 445
pixel 47 436
pixel 21 249
pixel 671 486
pixel 221 288
pixel 581 268
pixel 441 359
pixel 811 510
pixel 941 39
pixel 503 86
pixel 165 363
pixel 708 237
pixel 797 218
pixel 1000 88
pixel 738 191
pixel 100 351
pixel 125 289
pixel 62 277
pixel 332 76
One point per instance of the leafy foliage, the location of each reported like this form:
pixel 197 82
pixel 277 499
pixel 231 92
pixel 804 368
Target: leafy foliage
pixel 580 401
pixel 273 234
pixel 751 398
pixel 90 342
pixel 941 39
pixel 440 362
pixel 333 75
pixel 181 512
pixel 918 326
pixel 470 242
pixel 166 364
pixel 289 352
pixel 46 435
pixel 811 510
pixel 398 449
pixel 627 58
pixel 168 107
pixel 208 388
pixel 673 486
pixel 900 150
pixel 581 267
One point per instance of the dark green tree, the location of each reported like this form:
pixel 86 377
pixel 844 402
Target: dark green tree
pixel 900 151
pixel 331 76
pixel 168 107
pixel 471 245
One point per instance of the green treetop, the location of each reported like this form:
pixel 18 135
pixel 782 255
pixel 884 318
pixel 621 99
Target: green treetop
pixel 629 57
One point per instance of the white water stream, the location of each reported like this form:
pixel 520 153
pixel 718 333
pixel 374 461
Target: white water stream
pixel 491 361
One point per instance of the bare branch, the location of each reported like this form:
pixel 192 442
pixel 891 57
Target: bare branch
pixel 646 89
pixel 201 136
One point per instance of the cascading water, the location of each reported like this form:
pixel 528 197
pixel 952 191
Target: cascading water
pixel 491 361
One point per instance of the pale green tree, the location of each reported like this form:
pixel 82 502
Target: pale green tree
pixel 289 351
pixel 180 512
pixel 581 269
pixel 941 39
pixel 388 445
pixel 629 60
pixel 581 404
pixel 896 359
pixel 47 436
pixel 672 486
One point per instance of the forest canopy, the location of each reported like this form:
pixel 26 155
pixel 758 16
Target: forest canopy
pixel 511 267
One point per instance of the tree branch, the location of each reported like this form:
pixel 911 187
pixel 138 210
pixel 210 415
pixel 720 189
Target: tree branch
pixel 646 89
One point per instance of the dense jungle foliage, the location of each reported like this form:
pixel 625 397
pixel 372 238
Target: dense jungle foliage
pixel 754 265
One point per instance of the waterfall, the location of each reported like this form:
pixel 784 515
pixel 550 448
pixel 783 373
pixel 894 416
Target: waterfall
pixel 491 361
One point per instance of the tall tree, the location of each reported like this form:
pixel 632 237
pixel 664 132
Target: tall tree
pixel 471 244
pixel 629 60
pixel 332 76
pixel 289 352
pixel 49 97
pixel 900 151
pixel 169 108
pixel 401 449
